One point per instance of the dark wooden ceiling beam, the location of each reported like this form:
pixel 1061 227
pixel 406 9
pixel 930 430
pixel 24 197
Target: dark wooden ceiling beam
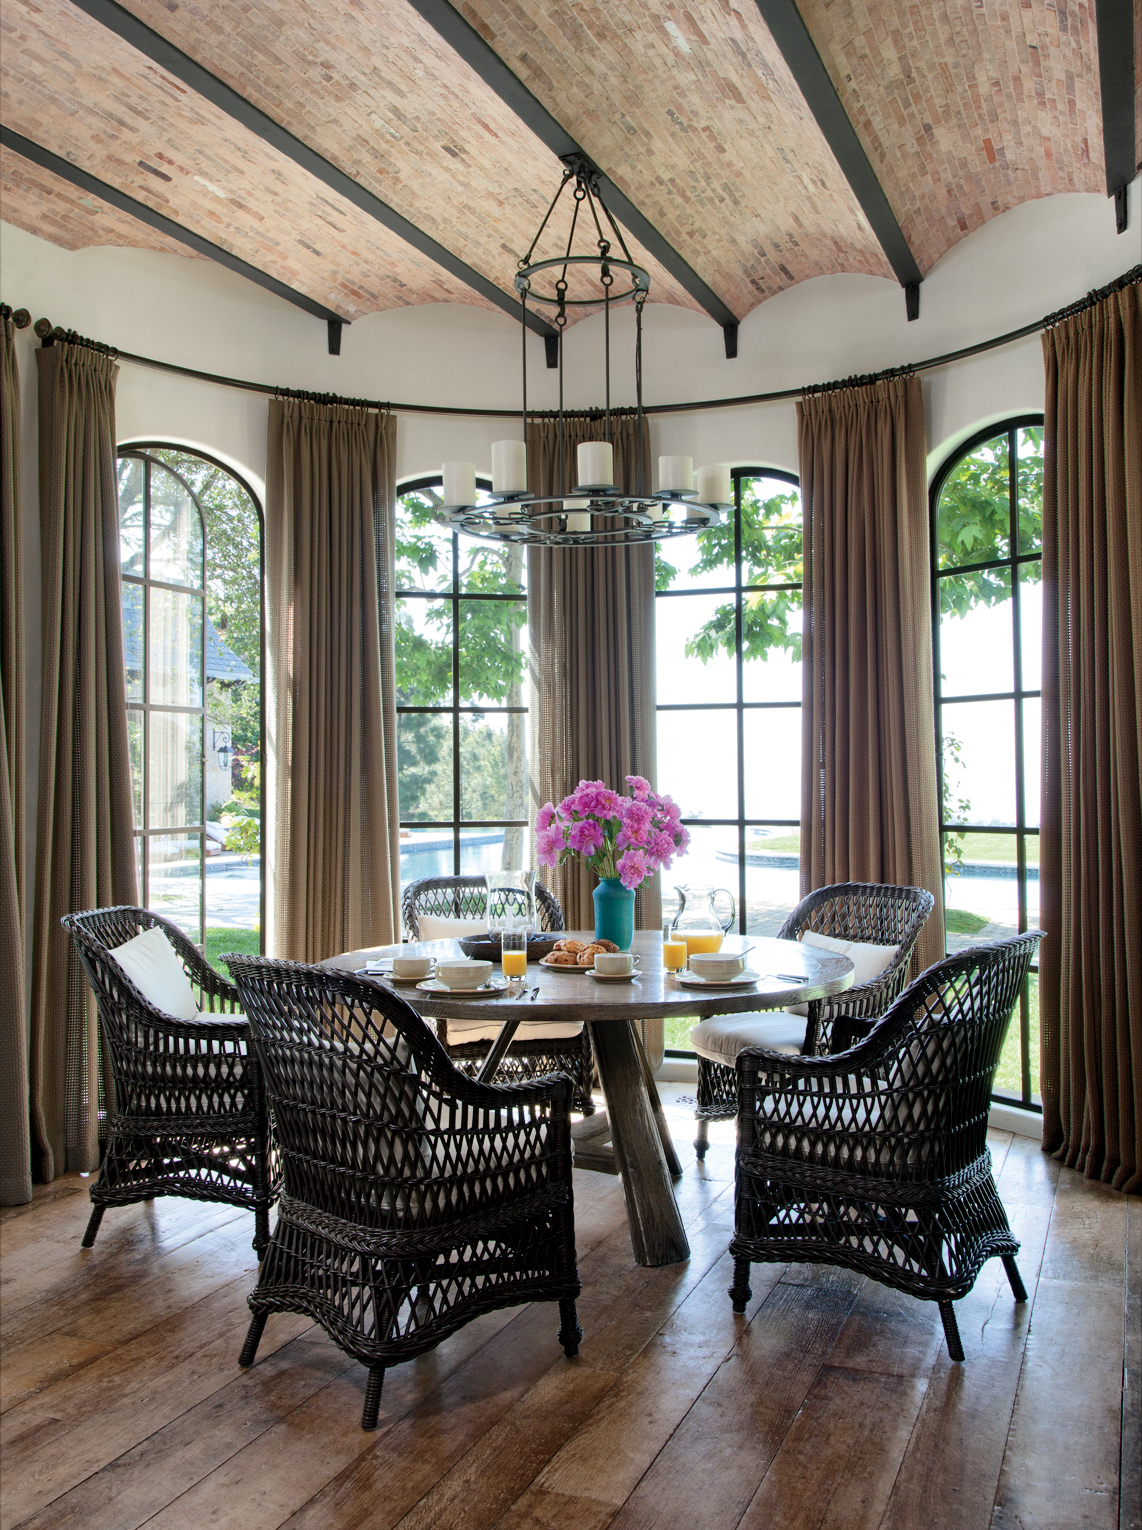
pixel 179 64
pixel 481 57
pixel 156 220
pixel 798 49
pixel 1114 26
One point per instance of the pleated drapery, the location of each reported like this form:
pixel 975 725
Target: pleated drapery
pixel 85 856
pixel 869 804
pixel 330 527
pixel 15 1153
pixel 590 613
pixel 1090 979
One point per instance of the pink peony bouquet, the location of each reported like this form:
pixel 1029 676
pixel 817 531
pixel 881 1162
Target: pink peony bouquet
pixel 624 837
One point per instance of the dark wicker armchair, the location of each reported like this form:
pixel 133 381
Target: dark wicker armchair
pixel 413 1198
pixel 189 1115
pixel 876 1158
pixel 879 914
pixel 538 1048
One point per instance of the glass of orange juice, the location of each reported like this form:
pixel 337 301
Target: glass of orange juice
pixel 674 956
pixel 513 953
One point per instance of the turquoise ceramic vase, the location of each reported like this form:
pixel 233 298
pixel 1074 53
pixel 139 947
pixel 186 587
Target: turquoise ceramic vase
pixel 614 912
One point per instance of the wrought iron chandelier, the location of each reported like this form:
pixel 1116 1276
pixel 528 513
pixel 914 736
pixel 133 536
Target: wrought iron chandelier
pixel 593 511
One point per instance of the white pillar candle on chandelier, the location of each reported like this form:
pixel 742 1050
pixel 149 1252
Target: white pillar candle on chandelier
pixel 714 486
pixel 509 467
pixel 459 483
pixel 577 520
pixel 675 475
pixel 596 464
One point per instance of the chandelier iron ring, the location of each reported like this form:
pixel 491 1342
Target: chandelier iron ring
pixel 540 520
pixel 639 281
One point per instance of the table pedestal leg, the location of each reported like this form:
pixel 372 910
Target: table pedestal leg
pixel 665 1138
pixel 656 1230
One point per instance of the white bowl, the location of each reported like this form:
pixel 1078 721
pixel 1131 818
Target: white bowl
pixel 716 964
pixel 456 973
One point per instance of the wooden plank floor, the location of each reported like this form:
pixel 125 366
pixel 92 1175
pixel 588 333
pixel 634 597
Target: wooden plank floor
pixel 830 1405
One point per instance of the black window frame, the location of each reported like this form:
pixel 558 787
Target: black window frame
pixel 454 596
pixel 739 706
pixel 142 450
pixel 1016 696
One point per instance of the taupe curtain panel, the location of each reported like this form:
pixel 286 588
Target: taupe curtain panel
pixel 591 629
pixel 1090 980
pixel 869 808
pixel 330 527
pixel 85 854
pixel 15 1156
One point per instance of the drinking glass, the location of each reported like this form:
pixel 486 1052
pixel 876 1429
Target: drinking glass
pixel 674 951
pixel 513 954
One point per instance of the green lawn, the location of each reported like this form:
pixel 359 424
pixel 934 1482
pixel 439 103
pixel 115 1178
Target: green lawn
pixel 221 938
pixel 999 847
pixel 960 922
pixel 782 843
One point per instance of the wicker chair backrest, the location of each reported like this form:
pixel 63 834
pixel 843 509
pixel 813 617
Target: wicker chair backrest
pixel 466 898
pixel 374 1123
pixel 911 1100
pixel 162 1067
pixel 878 913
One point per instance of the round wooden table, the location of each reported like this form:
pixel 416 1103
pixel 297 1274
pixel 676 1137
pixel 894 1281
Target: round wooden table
pixel 641 1150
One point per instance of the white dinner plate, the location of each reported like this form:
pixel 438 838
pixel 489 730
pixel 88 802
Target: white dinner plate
pixel 489 990
pixel 560 967
pixel 742 980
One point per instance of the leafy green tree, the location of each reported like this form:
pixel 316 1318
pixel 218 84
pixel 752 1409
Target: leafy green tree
pixel 771 555
pixel 973 520
pixel 492 666
pixel 233 594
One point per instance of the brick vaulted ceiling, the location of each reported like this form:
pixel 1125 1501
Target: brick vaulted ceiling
pixel 963 108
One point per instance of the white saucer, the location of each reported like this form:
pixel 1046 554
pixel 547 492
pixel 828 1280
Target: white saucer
pixel 742 980
pixel 611 977
pixel 492 987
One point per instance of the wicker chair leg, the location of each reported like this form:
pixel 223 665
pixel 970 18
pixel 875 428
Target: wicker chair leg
pixel 253 1339
pixel 569 1331
pixel 951 1330
pixel 261 1231
pixel 702 1140
pixel 740 1292
pixel 93 1226
pixel 1015 1280
pixel 372 1396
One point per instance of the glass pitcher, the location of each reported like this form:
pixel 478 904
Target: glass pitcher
pixel 511 901
pixel 699 918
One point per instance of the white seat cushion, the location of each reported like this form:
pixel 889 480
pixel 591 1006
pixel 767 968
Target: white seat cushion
pixel 432 927
pixel 721 1038
pixel 464 1031
pixel 153 965
pixel 868 961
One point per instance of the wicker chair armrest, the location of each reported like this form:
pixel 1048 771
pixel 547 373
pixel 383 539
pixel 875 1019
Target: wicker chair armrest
pixel 553 1089
pixel 207 1028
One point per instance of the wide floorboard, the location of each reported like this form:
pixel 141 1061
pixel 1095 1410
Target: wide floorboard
pixel 830 1405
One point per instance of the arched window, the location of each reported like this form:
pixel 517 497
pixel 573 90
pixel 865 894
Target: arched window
pixel 728 619
pixel 191 558
pixel 986 505
pixel 461 674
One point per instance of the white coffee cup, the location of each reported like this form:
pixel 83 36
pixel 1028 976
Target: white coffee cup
pixel 716 965
pixel 413 966
pixel 463 973
pixel 614 963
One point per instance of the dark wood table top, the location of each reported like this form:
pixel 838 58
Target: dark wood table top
pixel 654 994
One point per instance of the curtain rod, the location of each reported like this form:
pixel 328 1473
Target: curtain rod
pixel 48 332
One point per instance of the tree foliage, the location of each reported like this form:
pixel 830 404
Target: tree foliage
pixel 492 666
pixel 771 556
pixel 973 520
pixel 233 592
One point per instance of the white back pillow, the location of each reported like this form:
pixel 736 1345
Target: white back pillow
pixel 433 928
pixel 153 965
pixel 868 961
